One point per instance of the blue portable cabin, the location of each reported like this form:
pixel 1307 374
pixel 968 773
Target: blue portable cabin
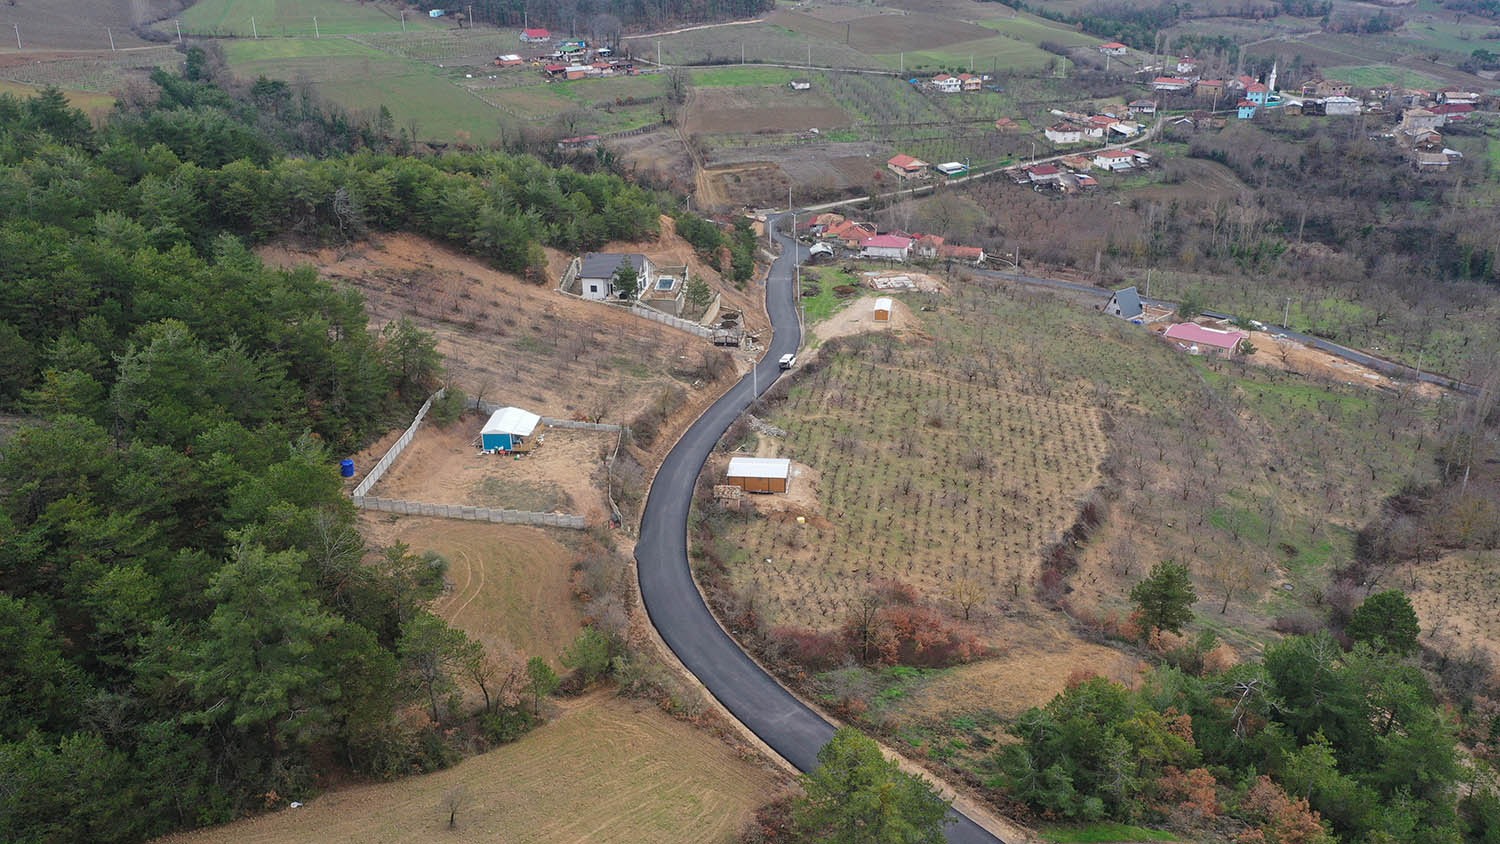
pixel 509 429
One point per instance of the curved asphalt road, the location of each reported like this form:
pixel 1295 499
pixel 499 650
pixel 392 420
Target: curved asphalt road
pixel 672 599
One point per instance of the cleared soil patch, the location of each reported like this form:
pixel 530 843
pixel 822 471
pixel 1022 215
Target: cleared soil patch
pixel 79 24
pixel 608 770
pixel 1458 598
pixel 884 33
pixel 859 317
pixel 509 582
pixel 764 108
pixel 565 473
pixel 513 342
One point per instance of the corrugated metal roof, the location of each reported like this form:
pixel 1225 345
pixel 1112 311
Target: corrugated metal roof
pixel 759 467
pixel 512 420
pixel 883 303
pixel 1193 333
pixel 604 264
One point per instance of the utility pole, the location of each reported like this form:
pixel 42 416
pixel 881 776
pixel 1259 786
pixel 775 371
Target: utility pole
pixel 254 31
pixel 742 52
pixel 18 35
pixel 903 63
pixel 1148 282
pixel 111 38
pixel 809 54
pixel 403 21
pixel 179 32
pixel 471 16
pixel 658 52
pixel 1285 314
pixel 316 33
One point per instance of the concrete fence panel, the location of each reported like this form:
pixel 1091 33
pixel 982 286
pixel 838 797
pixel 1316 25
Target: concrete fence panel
pixel 467 513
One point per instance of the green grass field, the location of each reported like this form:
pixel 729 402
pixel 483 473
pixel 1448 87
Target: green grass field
pixel 1371 76
pixel 983 56
pixel 727 77
pixel 1037 30
pixel 296 17
pixel 362 79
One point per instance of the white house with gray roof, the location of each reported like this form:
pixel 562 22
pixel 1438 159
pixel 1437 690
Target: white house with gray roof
pixel 596 275
pixel 1126 304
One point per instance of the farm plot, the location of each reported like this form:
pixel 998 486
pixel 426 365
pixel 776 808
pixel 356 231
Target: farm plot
pixel 733 110
pixel 298 18
pixel 1458 598
pixel 361 79
pixel 100 73
pixel 433 45
pixel 760 42
pixel 79 24
pixel 1371 76
pixel 876 34
pixel 509 583
pixel 95 105
pixel 986 55
pixel 926 477
pixel 607 770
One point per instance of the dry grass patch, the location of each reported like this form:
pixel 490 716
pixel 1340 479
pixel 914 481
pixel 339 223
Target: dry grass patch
pixel 1458 599
pixel 608 770
pixel 762 108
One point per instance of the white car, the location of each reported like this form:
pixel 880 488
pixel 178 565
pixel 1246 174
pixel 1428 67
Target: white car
pixel 787 361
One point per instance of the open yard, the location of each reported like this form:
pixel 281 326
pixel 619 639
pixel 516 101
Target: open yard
pixel 564 474
pixel 606 770
pixel 300 18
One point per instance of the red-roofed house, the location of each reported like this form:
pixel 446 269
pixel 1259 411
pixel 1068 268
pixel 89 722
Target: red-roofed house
pixel 1114 159
pixel 849 232
pixel 555 69
pixel 1113 48
pixel 535 36
pixel 947 83
pixel 1210 341
pixel 1452 111
pixel 927 245
pixel 970 81
pixel 885 246
pixel 1044 174
pixel 971 254
pixel 906 166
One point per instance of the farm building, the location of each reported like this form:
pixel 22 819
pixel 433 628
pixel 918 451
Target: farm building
pixel 1113 48
pixel 1451 112
pixel 1170 83
pixel 947 83
pixel 800 84
pixel 970 254
pixel 596 276
pixel 1340 106
pixel 906 166
pixel 1143 106
pixel 1044 174
pixel 1414 119
pixel 580 142
pixel 508 60
pixel 1210 87
pixel 1210 341
pixel 509 429
pixel 883 309
pixel 759 474
pixel 1431 161
pixel 890 246
pixel 1126 304
pixel 1114 159
pixel 951 168
pixel 1064 133
pixel 1006 124
pixel 535 36
pixel 927 245
pixel 1457 96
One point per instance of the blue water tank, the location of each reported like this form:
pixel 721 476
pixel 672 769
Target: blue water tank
pixel 346 468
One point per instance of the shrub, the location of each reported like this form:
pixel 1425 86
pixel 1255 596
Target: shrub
pixel 812 649
pixel 447 410
pixel 507 725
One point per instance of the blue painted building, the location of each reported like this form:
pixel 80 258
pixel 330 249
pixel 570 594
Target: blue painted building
pixel 1246 109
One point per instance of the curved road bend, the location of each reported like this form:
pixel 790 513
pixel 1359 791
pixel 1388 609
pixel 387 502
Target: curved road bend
pixel 672 599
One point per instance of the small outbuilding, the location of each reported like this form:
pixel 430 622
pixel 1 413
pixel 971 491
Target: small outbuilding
pixel 1198 339
pixel 759 474
pixel 883 309
pixel 509 429
pixel 1126 304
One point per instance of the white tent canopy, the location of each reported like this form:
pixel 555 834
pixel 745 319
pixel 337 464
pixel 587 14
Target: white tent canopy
pixel 513 421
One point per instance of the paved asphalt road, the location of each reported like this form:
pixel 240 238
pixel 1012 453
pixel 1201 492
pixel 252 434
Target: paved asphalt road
pixel 672 599
pixel 1375 363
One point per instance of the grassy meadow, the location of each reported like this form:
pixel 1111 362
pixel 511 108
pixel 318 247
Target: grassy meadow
pixel 282 18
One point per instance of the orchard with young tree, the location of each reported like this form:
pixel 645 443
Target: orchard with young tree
pixel 1164 599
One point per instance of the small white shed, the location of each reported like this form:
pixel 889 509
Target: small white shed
pixel 883 309
pixel 759 474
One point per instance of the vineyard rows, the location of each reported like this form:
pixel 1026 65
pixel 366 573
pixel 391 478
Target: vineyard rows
pixel 92 74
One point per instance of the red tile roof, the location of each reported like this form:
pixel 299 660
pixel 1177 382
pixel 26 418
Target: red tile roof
pixel 1115 153
pixel 1190 332
pixel 1044 170
pixel 968 253
pixel 906 162
pixel 1256 88
pixel 888 241
pixel 536 33
pixel 1113 45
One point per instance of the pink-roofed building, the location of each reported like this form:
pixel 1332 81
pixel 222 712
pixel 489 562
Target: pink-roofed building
pixel 1044 174
pixel 1199 339
pixel 535 36
pixel 927 245
pixel 1113 48
pixel 885 246
pixel 971 254
pixel 906 166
